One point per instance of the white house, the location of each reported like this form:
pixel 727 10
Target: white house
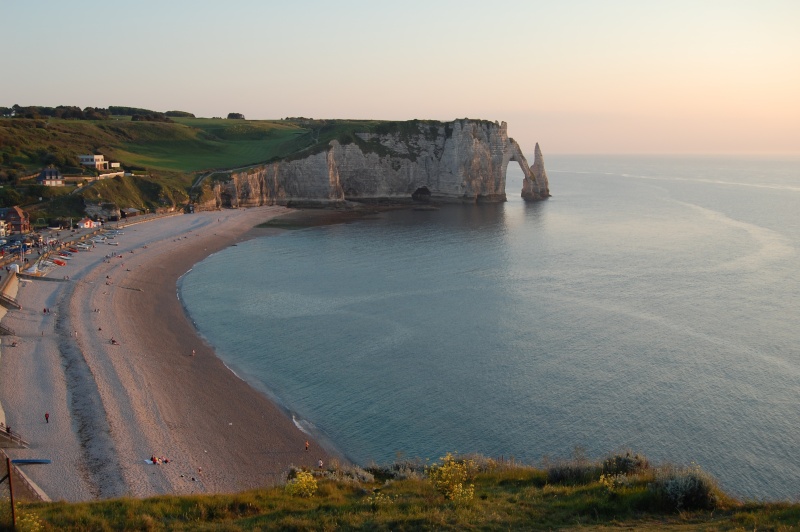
pixel 50 177
pixel 88 223
pixel 95 161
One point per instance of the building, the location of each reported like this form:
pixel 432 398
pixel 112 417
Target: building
pixel 88 223
pixel 97 161
pixel 17 220
pixel 50 177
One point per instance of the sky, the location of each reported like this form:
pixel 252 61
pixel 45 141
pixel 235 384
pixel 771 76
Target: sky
pixel 612 76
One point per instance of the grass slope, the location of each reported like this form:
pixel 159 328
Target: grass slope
pixel 401 497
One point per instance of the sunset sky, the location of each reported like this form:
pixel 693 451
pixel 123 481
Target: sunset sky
pixel 617 76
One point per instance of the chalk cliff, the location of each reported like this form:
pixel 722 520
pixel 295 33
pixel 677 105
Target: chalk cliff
pixel 460 161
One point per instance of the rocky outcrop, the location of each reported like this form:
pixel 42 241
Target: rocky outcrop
pixel 104 211
pixel 535 185
pixel 460 161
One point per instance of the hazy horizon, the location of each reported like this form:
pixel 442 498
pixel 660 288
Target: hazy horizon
pixel 616 77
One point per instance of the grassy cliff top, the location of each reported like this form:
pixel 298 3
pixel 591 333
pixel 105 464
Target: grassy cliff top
pixel 172 154
pixel 457 493
pixel 185 145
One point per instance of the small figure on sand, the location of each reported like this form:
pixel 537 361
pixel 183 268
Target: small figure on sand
pixel 319 463
pixel 192 352
pixel 114 342
pixel 47 417
pixel 306 445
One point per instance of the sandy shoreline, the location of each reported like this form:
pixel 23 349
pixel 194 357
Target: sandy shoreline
pixel 113 406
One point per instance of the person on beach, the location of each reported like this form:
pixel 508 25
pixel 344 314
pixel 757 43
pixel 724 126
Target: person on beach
pixel 192 352
pixel 47 417
pixel 306 445
pixel 319 463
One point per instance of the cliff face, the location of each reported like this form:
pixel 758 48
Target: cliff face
pixel 460 161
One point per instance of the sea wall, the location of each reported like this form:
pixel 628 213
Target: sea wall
pixel 459 161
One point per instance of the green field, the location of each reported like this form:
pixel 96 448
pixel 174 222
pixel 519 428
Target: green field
pixel 199 144
pixel 186 145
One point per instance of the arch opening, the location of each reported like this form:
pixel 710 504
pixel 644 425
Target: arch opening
pixel 421 194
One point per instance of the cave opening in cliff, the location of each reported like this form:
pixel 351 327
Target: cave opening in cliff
pixel 421 194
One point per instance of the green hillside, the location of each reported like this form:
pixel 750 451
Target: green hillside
pixel 171 151
pixel 171 155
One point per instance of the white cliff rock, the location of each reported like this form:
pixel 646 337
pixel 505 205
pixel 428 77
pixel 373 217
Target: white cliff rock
pixel 535 186
pixel 463 161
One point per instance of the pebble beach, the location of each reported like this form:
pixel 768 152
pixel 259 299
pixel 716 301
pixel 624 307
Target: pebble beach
pixel 156 390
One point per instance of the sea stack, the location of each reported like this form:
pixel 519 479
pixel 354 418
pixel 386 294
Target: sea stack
pixel 536 187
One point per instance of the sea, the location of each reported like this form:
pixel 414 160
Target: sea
pixel 651 305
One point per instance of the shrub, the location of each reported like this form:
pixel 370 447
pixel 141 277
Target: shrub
pixel 378 499
pixel 400 470
pixel 626 464
pixel 302 485
pixel 451 477
pixel 688 488
pixel 573 472
pixel 349 474
pixel 615 482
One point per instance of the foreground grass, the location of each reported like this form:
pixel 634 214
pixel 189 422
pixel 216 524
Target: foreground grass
pixel 505 497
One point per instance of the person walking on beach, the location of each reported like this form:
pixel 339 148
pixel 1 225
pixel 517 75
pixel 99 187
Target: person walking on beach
pixel 306 445
pixel 47 417
pixel 319 463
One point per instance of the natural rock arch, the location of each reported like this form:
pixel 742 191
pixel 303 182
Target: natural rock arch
pixel 535 185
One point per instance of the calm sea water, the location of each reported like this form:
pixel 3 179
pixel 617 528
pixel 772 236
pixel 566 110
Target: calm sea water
pixel 651 304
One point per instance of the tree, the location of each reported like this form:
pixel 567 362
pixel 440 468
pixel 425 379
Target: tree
pixel 235 116
pixel 179 114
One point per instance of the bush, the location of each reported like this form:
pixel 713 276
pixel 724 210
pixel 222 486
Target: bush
pixel 400 470
pixel 450 478
pixel 302 485
pixel 688 488
pixel 615 482
pixel 377 499
pixel 626 464
pixel 573 472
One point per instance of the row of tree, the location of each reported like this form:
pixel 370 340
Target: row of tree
pixel 62 111
pixel 89 113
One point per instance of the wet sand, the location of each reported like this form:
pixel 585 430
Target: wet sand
pixel 111 407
